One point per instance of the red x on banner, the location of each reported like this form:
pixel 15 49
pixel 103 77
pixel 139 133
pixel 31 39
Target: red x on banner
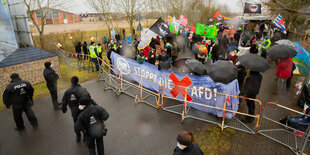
pixel 179 86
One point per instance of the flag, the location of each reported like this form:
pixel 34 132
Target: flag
pixel 229 33
pixel 252 8
pixel 279 22
pixel 174 26
pixel 160 28
pixel 201 29
pixel 226 19
pixel 218 16
pixel 193 28
pixel 113 33
pixel 169 20
pixel 183 20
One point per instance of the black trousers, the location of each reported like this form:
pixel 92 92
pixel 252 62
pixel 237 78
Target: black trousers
pixel 264 53
pixel 75 111
pixel 96 63
pixel 52 87
pixel 251 105
pixel 85 56
pixel 18 117
pixel 92 146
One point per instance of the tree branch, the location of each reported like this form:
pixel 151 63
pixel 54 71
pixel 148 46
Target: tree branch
pixel 290 9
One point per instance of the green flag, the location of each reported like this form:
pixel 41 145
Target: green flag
pixel 173 29
pixel 201 29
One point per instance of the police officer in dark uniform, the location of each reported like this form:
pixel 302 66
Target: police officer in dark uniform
pixel 51 78
pixel 19 94
pixel 72 96
pixel 91 120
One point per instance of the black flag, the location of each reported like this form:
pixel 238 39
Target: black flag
pixel 252 8
pixel 160 28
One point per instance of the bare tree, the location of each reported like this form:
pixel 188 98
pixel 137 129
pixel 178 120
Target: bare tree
pixel 43 8
pixel 130 8
pixel 103 7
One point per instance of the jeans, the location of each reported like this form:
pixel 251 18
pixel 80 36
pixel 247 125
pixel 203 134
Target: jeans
pixel 92 146
pixel 18 117
pixel 96 63
pixel 281 85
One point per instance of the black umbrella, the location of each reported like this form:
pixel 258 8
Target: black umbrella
pixel 254 62
pixel 180 66
pixel 281 51
pixel 196 66
pixel 223 72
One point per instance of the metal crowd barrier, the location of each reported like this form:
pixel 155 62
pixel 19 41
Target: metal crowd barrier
pixel 121 85
pixel 296 140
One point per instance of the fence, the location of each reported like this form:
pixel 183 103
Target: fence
pixel 297 141
pixel 284 134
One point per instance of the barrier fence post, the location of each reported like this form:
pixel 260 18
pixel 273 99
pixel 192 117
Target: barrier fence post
pixel 136 98
pixel 159 97
pixel 258 117
pixel 223 120
pixel 184 106
pixel 306 139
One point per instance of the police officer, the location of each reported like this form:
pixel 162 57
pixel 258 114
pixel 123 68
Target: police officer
pixel 93 54
pixel 19 94
pixel 265 46
pixel 51 78
pixel 91 120
pixel 99 51
pixel 72 97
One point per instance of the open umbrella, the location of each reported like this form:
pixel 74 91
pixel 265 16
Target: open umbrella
pixel 254 62
pixel 281 51
pixel 180 66
pixel 196 66
pixel 146 37
pixel 223 71
pixel 286 42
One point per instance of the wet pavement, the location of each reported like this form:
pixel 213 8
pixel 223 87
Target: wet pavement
pixel 133 129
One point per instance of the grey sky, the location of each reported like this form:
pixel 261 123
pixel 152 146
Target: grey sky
pixel 78 6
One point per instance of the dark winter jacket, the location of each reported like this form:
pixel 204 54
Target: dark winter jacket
pixel 252 84
pixel 86 117
pixel 78 48
pixel 50 75
pixel 73 94
pixel 85 48
pixel 191 150
pixel 18 93
pixel 163 63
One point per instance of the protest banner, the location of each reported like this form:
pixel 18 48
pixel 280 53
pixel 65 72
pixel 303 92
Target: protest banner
pixel 131 69
pixel 229 33
pixel 160 27
pixel 183 20
pixel 252 8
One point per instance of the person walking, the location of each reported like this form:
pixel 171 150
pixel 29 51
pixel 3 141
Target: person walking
pixel 266 44
pixel 92 121
pixel 99 52
pixel 93 54
pixel 19 95
pixel 284 71
pixel 51 78
pixel 78 50
pixel 186 145
pixel 251 90
pixel 71 97
pixel 85 50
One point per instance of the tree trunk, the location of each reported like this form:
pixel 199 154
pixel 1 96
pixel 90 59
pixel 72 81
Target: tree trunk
pixel 41 40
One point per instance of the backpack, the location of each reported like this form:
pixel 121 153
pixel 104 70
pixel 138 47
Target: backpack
pixel 96 128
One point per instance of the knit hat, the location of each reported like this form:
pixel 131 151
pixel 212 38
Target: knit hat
pixel 183 141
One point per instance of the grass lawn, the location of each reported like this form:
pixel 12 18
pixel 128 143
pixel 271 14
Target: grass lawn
pixel 213 141
pixel 64 82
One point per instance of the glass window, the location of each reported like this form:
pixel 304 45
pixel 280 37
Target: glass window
pixel 55 14
pixel 64 15
pixel 38 13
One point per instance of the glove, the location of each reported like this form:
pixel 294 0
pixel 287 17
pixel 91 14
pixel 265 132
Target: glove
pixel 64 110
pixel 31 102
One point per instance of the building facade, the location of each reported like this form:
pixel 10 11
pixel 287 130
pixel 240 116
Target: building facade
pixel 55 16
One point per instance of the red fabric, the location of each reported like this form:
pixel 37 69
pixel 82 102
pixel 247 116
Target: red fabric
pixel 183 20
pixel 176 90
pixel 193 28
pixel 158 39
pixel 284 69
pixel 146 51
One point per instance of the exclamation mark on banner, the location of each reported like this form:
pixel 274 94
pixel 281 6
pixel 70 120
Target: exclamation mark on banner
pixel 215 91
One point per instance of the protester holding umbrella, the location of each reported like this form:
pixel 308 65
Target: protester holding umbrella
pixel 251 90
pixel 284 71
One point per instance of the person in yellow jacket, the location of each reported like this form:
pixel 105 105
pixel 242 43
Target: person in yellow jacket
pixel 99 51
pixel 93 54
pixel 265 46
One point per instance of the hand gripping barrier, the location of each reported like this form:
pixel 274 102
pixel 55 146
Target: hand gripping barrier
pixel 296 140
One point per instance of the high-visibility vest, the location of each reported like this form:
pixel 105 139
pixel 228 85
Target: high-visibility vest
pixel 168 45
pixel 99 49
pixel 92 51
pixel 266 44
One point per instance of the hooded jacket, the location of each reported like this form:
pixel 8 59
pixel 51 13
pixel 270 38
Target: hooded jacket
pixel 191 150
